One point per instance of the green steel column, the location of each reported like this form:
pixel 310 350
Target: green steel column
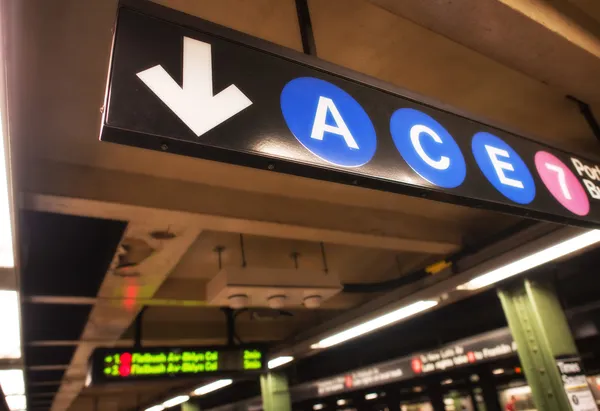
pixel 541 331
pixel 188 406
pixel 489 391
pixel 275 392
pixel 436 396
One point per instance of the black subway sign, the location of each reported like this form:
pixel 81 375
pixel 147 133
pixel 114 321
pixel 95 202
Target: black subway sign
pixel 479 349
pixel 183 85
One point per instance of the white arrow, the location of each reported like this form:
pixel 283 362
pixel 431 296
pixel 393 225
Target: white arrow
pixel 194 103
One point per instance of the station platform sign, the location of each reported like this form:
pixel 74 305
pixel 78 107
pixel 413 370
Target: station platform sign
pixel 121 365
pixel 475 350
pixel 186 86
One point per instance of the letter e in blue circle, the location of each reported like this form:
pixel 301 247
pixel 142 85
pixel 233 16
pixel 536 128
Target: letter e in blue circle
pixel 428 148
pixel 503 167
pixel 328 122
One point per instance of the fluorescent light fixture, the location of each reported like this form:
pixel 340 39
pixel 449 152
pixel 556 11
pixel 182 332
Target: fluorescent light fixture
pixel 16 402
pixel 12 382
pixel 10 342
pixel 371 396
pixel 318 407
pixel 342 402
pixel 498 371
pixel 375 323
pixel 155 408
pixel 213 386
pixel 279 361
pixel 534 260
pixel 180 399
pixel 6 245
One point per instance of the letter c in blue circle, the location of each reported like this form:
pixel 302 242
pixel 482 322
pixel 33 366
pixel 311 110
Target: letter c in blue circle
pixel 328 122
pixel 428 148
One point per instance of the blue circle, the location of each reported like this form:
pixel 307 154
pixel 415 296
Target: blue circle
pixel 300 100
pixel 434 156
pixel 517 184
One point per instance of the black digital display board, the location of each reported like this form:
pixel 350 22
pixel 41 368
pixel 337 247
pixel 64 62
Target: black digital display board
pixel 186 86
pixel 109 365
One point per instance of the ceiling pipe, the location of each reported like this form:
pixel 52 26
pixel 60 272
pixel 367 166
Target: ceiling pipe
pixel 587 113
pixel 447 262
pixel 138 329
pixel 305 24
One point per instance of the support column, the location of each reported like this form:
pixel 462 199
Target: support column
pixel 275 392
pixel 541 331
pixel 189 406
pixel 436 398
pixel 488 390
pixel 393 401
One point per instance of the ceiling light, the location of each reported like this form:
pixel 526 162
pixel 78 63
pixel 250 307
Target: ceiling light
pixel 11 382
pixel 318 407
pixel 279 361
pixel 371 396
pixel 447 382
pixel 10 343
pixel 213 386
pixel 534 260
pixel 6 245
pixel 498 371
pixel 342 402
pixel 155 408
pixel 16 402
pixel 375 323
pixel 180 399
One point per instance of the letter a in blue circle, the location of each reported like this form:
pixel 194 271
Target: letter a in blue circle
pixel 428 148
pixel 328 122
pixel 503 167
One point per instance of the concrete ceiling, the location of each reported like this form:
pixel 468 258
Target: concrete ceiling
pixel 441 49
pixel 59 54
pixel 555 42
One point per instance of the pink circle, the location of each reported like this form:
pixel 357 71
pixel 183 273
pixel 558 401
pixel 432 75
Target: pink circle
pixel 562 183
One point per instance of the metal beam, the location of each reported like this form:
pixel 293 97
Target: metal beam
pixel 70 189
pixel 44 383
pixel 129 342
pixel 110 321
pixel 79 300
pixel 42 395
pixel 57 367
